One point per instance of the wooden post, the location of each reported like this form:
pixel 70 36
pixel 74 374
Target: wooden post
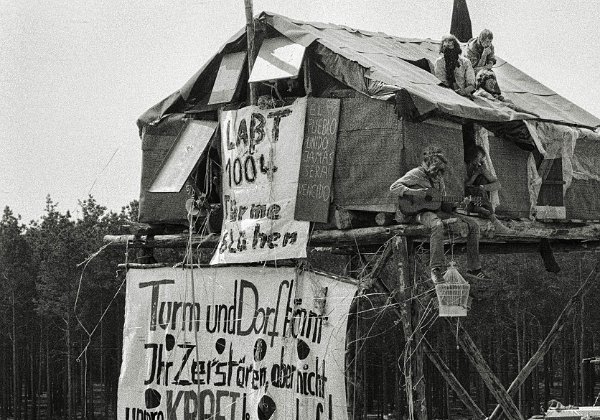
pixel 399 248
pixel 354 358
pixel 401 307
pixel 417 314
pixel 413 352
pixel 490 380
pixel 379 265
pixel 250 36
pixel 454 383
pixel 549 340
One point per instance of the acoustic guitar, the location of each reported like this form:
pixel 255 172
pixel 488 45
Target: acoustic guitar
pixel 410 205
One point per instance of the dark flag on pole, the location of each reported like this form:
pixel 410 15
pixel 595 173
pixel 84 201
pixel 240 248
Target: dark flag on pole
pixel 461 21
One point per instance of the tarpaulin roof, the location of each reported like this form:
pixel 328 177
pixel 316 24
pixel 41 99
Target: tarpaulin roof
pixel 381 65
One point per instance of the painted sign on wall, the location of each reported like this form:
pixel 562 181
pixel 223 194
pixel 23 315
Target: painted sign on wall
pixel 244 343
pixel 318 158
pixel 261 162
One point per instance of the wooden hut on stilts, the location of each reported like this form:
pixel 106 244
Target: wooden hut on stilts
pixel 372 104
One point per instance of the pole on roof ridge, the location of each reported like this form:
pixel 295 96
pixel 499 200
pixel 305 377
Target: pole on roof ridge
pixel 250 42
pixel 460 26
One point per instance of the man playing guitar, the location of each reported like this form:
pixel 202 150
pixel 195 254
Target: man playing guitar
pixel 416 186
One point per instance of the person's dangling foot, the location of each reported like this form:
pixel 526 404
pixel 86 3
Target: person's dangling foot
pixel 477 274
pixel 436 276
pixel 500 229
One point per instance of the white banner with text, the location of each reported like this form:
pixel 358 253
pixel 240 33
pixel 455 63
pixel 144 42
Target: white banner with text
pixel 234 343
pixel 260 151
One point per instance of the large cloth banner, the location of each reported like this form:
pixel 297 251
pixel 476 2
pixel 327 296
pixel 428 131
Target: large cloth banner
pixel 261 152
pixel 234 343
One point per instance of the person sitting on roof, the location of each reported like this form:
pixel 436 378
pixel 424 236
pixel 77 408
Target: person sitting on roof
pixel 487 87
pixel 454 70
pixel 417 187
pixel 480 51
pixel 479 183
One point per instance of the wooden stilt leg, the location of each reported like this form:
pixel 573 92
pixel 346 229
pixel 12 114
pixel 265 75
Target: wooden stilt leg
pixel 410 314
pixel 489 379
pixel 456 386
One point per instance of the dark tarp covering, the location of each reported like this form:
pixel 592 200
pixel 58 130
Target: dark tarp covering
pixel 582 198
pixel 375 148
pixel 384 67
pixel 379 65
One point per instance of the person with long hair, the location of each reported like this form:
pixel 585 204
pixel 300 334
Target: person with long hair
pixel 487 87
pixel 480 182
pixel 454 70
pixel 417 184
pixel 480 51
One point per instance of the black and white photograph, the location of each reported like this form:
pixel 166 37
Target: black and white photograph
pixel 311 210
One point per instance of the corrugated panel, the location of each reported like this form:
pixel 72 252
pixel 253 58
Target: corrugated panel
pixel 278 58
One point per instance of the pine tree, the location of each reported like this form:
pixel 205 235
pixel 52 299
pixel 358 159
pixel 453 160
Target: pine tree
pixel 16 290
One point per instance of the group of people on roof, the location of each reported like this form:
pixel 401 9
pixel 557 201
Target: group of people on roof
pixel 471 74
pixel 457 71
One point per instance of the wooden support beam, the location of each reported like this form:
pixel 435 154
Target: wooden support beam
pixel 405 316
pixel 250 42
pixel 163 241
pixel 549 340
pixel 379 265
pixel 401 309
pixel 413 372
pixel 489 379
pixel 454 383
pixel 525 232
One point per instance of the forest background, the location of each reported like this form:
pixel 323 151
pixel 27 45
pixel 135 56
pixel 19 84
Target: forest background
pixel 62 313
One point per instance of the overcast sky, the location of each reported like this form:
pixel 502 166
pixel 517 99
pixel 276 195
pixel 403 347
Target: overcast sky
pixel 75 75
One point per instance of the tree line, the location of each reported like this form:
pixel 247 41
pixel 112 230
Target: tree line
pixel 508 319
pixel 61 312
